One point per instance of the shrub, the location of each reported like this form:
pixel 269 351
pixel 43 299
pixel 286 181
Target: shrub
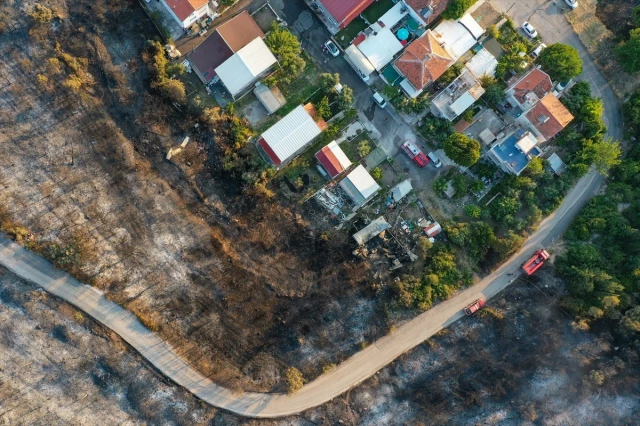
pixel 295 380
pixel 41 14
pixel 173 89
pixel 629 52
pixel 364 148
pixel 457 8
pixel 377 173
pixel 462 149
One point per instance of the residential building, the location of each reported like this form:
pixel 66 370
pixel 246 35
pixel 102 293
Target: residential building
pixel 514 153
pixel 482 63
pixel 377 45
pixel 427 10
pixel 457 37
pixel 421 64
pixel 223 42
pixel 548 117
pixel 333 160
pixel 337 14
pixel 291 135
pixel 527 91
pixel 556 164
pixel 186 12
pixel 270 97
pixel 245 67
pixel 400 191
pixel 459 95
pixel 372 230
pixel 359 186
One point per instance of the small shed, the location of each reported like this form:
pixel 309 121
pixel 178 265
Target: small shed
pixel 556 164
pixel 270 97
pixel 399 191
pixel 371 231
pixel 487 136
pixel 432 229
pixel 359 186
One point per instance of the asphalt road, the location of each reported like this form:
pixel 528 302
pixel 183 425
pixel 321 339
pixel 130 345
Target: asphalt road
pixel 365 363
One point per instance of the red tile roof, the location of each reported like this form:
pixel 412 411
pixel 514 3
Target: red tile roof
pixel 535 81
pixel 423 61
pixel 327 157
pixel 181 8
pixel 438 6
pixel 345 11
pixel 549 116
pixel 267 149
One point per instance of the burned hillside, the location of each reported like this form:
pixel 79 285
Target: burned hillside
pixel 237 280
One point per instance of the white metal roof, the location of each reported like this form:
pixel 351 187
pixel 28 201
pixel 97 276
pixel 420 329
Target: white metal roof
pixel 373 229
pixel 482 63
pixel 360 180
pixel 556 163
pixel 408 87
pixel 399 191
pixel 394 15
pixel 290 134
pixel 359 60
pixel 271 98
pixel 458 37
pixel 527 143
pixel 247 64
pixel 462 103
pixel 339 154
pixel 380 46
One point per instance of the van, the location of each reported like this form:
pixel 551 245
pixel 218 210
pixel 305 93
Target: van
pixel 434 159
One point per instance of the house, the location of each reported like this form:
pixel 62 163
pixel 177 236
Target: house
pixel 432 229
pixel 454 99
pixel 526 92
pixel 333 160
pixel 186 12
pixel 421 64
pixel 513 154
pixel 245 67
pixel 556 164
pixel 548 117
pixel 372 230
pixel 359 186
pixel 427 10
pixel 223 42
pixel 482 63
pixel 270 97
pixel 337 14
pixel 457 37
pixel 289 136
pixel 377 45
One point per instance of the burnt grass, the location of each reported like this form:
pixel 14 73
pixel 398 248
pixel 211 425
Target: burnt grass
pixel 616 16
pixel 259 268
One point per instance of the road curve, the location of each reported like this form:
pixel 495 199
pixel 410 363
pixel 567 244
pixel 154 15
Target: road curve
pixel 353 371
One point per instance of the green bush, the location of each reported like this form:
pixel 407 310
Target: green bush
pixel 457 8
pixel 561 61
pixel 462 149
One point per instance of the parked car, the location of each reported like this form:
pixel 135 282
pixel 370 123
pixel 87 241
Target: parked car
pixel 332 48
pixel 434 159
pixel 571 3
pixel 377 97
pixel 529 30
pixel 415 154
pixel 474 307
pixel 536 52
pixel 562 85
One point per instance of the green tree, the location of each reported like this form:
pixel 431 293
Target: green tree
pixel 364 148
pixel 508 245
pixel 285 45
pixel 631 108
pixel 435 129
pixel 575 97
pixel 376 173
pixel 504 209
pixel 535 216
pixel 173 89
pixel 323 110
pixel 457 8
pixel 629 52
pixel 481 239
pixel 493 91
pixel 473 211
pixel 328 81
pixel 345 98
pixel 423 246
pixel 606 154
pixel 591 116
pixel 561 61
pixel 635 16
pixel 535 167
pixel 462 149
pixel 439 184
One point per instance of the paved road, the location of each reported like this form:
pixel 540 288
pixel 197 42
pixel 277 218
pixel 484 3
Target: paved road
pixel 354 370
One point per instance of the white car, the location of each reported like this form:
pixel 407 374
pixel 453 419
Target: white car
pixel 536 52
pixel 332 48
pixel 571 3
pixel 379 100
pixel 529 30
pixel 562 85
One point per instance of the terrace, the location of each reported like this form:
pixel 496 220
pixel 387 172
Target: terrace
pixel 515 152
pixel 457 96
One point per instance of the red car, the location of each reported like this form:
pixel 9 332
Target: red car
pixel 415 154
pixel 474 307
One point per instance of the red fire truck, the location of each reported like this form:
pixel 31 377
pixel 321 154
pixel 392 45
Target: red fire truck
pixel 536 262
pixel 415 154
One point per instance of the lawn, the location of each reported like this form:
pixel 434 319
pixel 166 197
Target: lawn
pixel 350 148
pixel 195 90
pixel 377 9
pixel 345 36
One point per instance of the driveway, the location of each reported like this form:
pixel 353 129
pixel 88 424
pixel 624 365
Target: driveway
pixel 548 18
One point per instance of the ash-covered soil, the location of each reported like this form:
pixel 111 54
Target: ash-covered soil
pixel 521 362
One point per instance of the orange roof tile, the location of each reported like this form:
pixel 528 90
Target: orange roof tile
pixel 535 81
pixel 549 116
pixel 423 61
pixel 181 8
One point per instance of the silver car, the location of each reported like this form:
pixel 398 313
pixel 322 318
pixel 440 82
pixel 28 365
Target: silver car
pixel 529 30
